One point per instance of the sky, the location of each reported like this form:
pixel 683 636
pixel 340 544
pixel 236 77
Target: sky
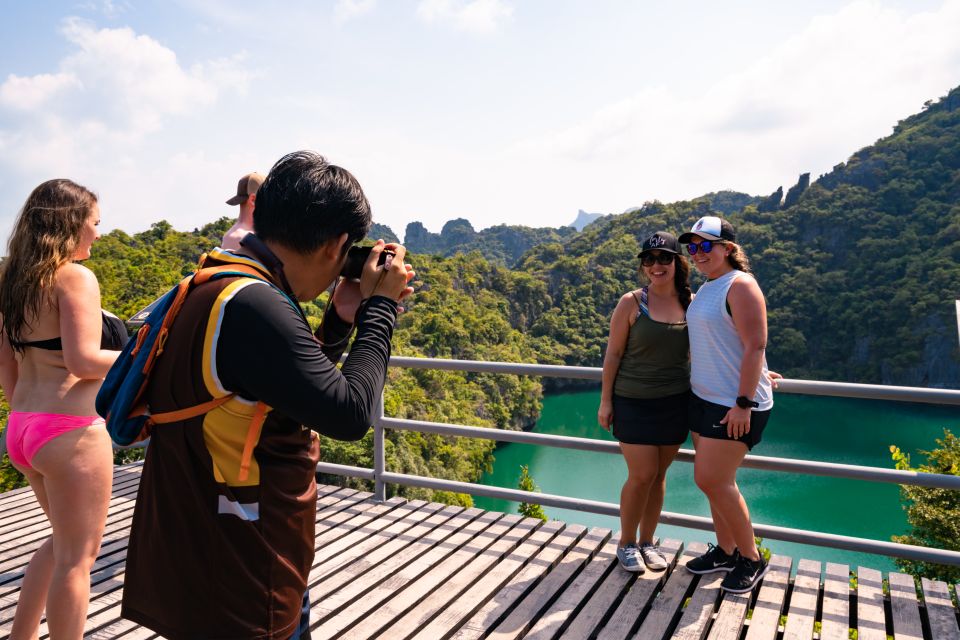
pixel 497 111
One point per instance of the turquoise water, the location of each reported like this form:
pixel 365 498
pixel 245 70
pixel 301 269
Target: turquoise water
pixel 804 427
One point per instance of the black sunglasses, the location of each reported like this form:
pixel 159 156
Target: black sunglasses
pixel 648 259
pixel 706 246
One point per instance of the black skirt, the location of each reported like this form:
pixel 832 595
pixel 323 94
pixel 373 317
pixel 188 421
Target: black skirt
pixel 653 421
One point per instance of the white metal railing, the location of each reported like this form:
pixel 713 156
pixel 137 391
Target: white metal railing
pixel 381 476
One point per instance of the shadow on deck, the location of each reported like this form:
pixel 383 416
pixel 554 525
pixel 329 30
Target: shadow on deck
pixel 412 569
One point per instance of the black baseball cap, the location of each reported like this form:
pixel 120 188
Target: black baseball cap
pixel 660 241
pixel 711 228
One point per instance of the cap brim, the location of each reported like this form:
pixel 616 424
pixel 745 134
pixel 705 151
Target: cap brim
pixel 664 249
pixel 237 199
pixel 690 235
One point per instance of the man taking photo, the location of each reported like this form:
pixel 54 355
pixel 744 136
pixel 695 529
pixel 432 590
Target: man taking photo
pixel 223 532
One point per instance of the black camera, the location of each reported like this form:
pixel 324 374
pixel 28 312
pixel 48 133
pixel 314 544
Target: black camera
pixel 356 258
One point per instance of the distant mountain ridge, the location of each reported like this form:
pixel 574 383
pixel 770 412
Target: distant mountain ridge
pixel 583 219
pixel 501 243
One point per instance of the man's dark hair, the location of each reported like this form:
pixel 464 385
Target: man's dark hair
pixel 305 201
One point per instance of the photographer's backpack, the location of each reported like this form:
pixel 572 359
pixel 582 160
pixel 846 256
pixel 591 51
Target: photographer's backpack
pixel 121 400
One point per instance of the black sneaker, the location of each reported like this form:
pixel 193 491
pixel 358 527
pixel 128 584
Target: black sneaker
pixel 714 560
pixel 745 575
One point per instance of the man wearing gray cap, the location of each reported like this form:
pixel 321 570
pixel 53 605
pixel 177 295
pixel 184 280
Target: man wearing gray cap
pixel 247 199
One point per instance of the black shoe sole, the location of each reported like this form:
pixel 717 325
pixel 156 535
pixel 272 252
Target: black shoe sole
pixel 706 571
pixel 752 586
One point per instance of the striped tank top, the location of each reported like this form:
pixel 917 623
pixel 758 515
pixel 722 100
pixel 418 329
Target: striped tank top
pixel 715 348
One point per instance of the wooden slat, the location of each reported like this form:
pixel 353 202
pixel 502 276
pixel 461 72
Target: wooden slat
pixel 803 602
pixel 871 622
pixel 667 605
pixel 765 622
pixel 520 585
pixel 484 587
pixel 575 595
pixel 940 612
pixel 627 614
pixel 835 618
pixel 728 623
pixel 335 589
pixel 438 581
pixel 904 607
pixel 390 579
pixel 526 612
pixel 696 616
pixel 369 539
pixel 450 592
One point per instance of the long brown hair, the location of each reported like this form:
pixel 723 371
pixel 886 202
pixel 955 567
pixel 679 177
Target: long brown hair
pixel 45 237
pixel 681 279
pixel 738 258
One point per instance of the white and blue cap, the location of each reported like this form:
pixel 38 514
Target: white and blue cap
pixel 711 228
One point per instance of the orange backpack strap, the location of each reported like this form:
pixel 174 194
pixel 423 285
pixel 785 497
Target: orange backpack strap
pixel 253 436
pixel 188 412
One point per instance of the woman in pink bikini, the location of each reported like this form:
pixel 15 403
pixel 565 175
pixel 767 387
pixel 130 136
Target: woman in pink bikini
pixel 55 349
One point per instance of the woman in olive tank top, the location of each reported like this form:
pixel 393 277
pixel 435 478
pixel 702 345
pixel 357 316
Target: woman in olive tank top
pixel 645 393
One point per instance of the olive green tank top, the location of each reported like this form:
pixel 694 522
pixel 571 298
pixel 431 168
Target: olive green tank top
pixel 656 362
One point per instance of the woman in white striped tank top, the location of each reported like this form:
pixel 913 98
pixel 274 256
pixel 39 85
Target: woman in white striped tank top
pixel 732 395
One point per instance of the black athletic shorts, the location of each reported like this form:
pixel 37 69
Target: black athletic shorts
pixel 654 421
pixel 705 420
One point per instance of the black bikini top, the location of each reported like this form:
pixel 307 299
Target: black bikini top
pixel 113 336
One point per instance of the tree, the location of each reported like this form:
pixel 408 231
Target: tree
pixel 933 514
pixel 530 510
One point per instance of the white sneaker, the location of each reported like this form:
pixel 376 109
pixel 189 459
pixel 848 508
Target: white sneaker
pixel 652 557
pixel 629 557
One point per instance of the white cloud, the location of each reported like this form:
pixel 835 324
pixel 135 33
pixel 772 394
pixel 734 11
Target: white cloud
pixel 115 88
pixel 473 16
pixel 836 86
pixel 30 93
pixel 346 10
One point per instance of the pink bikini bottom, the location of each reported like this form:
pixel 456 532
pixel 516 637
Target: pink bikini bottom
pixel 27 432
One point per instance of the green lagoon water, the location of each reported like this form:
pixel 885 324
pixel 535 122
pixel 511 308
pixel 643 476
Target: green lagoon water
pixel 804 427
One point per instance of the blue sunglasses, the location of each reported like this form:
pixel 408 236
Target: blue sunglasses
pixel 706 246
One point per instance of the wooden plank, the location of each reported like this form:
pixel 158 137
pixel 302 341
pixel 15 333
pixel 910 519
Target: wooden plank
pixel 667 605
pixel 575 596
pixel 728 624
pixel 765 622
pixel 627 614
pixel 940 612
pixel 413 593
pixel 521 584
pixel 484 587
pixel 466 570
pixel 871 622
pixel 697 614
pixel 803 602
pixel 904 607
pixel 336 589
pixel 526 612
pixel 344 609
pixel 835 615
pixel 401 520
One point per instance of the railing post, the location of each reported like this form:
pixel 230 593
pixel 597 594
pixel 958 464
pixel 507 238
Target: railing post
pixel 379 455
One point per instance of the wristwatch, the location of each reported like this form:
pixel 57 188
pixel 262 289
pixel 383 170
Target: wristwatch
pixel 745 403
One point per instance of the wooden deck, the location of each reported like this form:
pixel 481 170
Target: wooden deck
pixel 411 569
